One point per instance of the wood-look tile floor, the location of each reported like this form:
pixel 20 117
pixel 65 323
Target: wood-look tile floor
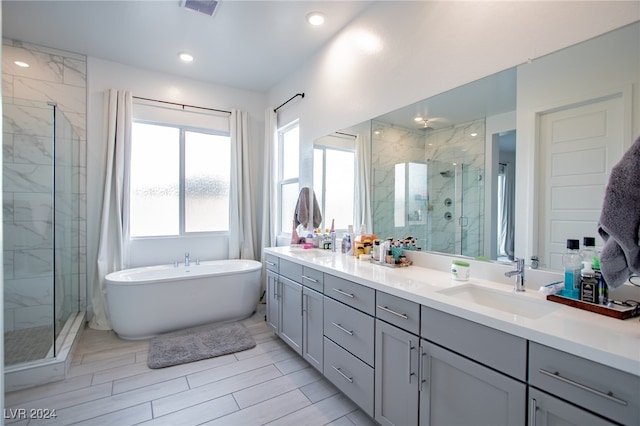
pixel 109 383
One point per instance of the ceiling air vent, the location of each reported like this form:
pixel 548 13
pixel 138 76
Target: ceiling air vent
pixel 208 7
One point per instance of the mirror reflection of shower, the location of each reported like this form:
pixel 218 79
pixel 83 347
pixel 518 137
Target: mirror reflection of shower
pixel 440 199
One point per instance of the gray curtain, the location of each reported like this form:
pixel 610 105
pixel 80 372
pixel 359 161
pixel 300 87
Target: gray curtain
pixel 507 211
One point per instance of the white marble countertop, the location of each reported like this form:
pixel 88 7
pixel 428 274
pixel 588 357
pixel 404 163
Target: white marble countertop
pixel 602 339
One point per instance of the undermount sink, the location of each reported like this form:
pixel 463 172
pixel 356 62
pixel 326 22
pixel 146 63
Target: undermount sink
pixel 512 303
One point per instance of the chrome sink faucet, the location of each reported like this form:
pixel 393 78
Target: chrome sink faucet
pixel 187 259
pixel 519 273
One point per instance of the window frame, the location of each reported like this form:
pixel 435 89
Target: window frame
pixel 280 171
pixel 182 233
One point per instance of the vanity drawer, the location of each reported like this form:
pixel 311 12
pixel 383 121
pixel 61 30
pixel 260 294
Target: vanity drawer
pixel 398 311
pixel 501 351
pixel 352 376
pixel 271 262
pixel 349 328
pixel 604 390
pixel 350 293
pixel 291 270
pixel 313 278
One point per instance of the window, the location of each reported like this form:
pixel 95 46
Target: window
pixel 179 181
pixel 334 185
pixel 288 174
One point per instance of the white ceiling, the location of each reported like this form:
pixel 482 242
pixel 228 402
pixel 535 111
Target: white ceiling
pixel 492 95
pixel 250 45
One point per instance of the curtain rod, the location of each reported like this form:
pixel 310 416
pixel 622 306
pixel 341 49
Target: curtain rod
pixel 346 134
pixel 181 105
pixel 289 100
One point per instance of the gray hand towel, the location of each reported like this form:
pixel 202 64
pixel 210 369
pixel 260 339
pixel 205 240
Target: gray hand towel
pixel 301 215
pixel 619 223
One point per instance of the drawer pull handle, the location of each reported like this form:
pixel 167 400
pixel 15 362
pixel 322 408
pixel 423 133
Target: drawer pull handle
pixel 343 293
pixel 411 373
pixel 350 333
pixel 391 311
pixel 270 263
pixel 304 277
pixel 347 378
pixel 533 407
pixel 423 368
pixel 607 395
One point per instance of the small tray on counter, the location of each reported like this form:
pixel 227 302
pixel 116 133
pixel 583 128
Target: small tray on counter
pixel 615 311
pixel 392 265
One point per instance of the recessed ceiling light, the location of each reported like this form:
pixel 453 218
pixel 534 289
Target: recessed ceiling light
pixel 474 134
pixel 21 64
pixel 315 18
pixel 418 119
pixel 185 57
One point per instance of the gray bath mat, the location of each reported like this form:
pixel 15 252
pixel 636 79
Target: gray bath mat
pixel 194 344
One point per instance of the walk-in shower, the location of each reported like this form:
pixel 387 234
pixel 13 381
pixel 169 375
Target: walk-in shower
pixel 41 231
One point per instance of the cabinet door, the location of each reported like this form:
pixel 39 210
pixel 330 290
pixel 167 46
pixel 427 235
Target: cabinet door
pixel 547 410
pixel 273 302
pixel 291 313
pixel 396 376
pixel 458 391
pixel 312 327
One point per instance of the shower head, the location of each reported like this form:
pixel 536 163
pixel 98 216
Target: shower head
pixel 446 174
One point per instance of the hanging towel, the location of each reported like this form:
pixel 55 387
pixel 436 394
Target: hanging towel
pixel 301 215
pixel 619 223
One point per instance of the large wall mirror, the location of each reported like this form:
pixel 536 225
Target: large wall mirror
pixel 514 163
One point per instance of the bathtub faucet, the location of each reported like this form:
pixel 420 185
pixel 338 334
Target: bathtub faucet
pixel 187 259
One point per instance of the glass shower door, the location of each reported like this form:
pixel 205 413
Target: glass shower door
pixel 66 232
pixel 40 245
pixel 471 219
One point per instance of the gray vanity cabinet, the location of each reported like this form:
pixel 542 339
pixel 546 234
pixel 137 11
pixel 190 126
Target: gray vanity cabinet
pixel 470 373
pixel 291 313
pixel 588 385
pixel 294 312
pixel 271 296
pixel 547 410
pixel 397 378
pixel 458 391
pixel 312 327
pixel 349 339
pixel 273 301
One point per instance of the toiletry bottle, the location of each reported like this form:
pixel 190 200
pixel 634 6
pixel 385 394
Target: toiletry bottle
pixel 376 251
pixel 589 250
pixel 572 262
pixel 603 289
pixel 588 284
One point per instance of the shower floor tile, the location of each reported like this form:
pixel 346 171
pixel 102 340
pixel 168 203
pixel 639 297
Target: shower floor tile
pixel 26 345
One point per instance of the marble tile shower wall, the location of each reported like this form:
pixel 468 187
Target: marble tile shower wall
pixel 53 76
pixel 439 150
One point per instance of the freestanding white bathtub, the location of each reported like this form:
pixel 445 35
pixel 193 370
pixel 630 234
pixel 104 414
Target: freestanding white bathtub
pixel 147 301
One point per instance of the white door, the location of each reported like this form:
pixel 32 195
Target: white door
pixel 578 145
